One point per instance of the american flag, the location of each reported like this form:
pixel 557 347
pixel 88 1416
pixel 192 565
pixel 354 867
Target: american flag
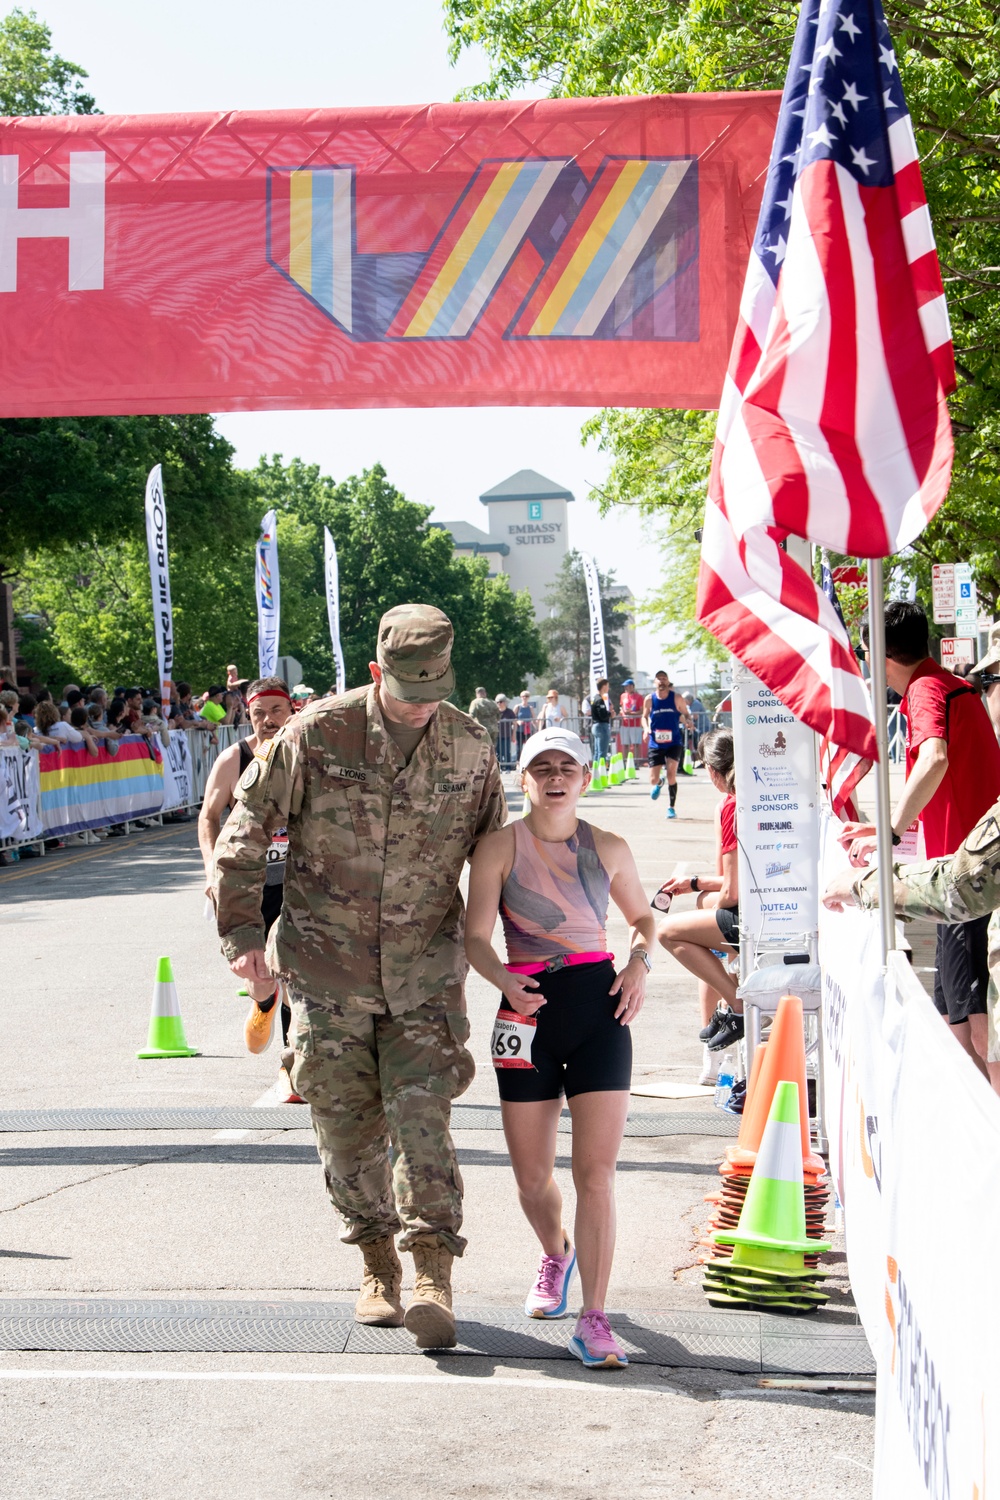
pixel 833 423
pixel 840 769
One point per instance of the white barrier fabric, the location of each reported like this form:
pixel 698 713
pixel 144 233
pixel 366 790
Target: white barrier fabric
pixel 915 1152
pixel 186 761
pixel 178 782
pixel 20 815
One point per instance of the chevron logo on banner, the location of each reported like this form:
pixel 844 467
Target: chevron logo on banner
pixel 612 257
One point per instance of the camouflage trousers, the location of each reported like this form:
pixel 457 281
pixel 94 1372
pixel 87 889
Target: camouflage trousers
pixel 378 1083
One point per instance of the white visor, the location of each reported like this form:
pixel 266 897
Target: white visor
pixel 554 739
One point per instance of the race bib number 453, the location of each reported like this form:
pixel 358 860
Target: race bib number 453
pixel 512 1037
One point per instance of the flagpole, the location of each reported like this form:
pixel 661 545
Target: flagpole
pixel 883 813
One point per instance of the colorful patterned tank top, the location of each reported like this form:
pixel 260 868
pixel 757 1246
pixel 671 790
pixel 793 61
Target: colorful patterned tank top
pixel 555 899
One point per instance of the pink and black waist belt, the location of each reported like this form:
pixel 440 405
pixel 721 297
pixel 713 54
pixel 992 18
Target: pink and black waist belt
pixel 563 961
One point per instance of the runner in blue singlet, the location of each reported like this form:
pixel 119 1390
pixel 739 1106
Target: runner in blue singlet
pixel 664 716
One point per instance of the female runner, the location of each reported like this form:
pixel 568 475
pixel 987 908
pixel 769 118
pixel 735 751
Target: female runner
pixel 695 937
pixel 564 1025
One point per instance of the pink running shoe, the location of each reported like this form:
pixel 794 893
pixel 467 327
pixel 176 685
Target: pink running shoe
pixel 595 1344
pixel 549 1295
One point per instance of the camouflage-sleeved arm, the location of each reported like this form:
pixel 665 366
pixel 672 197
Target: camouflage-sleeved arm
pixel 492 804
pixel 956 888
pixel 268 794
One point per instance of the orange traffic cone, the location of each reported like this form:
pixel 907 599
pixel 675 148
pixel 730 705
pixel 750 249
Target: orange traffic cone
pixel 784 1061
pixel 771 1259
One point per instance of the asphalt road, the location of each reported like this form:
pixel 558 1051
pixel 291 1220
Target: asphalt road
pixel 187 1214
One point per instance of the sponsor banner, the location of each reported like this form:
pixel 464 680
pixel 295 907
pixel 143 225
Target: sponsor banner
pixel 513 252
pixel 268 586
pixel 20 818
pixel 333 605
pixel 159 577
pixel 598 655
pixel 915 1151
pixel 79 790
pixel 777 816
pixel 178 780
pixel 185 761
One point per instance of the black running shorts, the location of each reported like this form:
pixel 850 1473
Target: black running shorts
pixel 270 904
pixel 962 975
pixel 578 1046
pixel 727 919
pixel 660 754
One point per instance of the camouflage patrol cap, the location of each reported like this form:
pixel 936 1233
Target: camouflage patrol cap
pixel 414 652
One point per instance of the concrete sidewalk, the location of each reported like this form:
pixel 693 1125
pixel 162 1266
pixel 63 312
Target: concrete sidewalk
pixel 199 1216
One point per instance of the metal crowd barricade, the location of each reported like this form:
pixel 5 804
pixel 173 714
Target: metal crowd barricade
pixel 204 748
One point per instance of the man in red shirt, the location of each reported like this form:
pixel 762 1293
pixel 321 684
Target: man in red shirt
pixel 952 779
pixel 630 707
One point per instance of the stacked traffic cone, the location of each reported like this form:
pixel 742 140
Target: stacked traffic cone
pixel 781 1059
pixel 617 769
pixel 631 774
pixel 166 1029
pixel 767 1268
pixel 600 781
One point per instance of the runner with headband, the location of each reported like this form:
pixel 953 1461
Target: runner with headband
pixel 269 705
pixel 563 1023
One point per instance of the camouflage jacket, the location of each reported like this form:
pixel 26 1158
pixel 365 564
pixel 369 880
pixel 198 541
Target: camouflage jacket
pixel 954 888
pixel 485 712
pixel 372 913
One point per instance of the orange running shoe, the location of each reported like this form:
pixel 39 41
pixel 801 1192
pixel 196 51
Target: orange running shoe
pixel 258 1028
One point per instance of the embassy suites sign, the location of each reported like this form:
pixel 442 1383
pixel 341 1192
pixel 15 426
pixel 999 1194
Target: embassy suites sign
pixel 533 533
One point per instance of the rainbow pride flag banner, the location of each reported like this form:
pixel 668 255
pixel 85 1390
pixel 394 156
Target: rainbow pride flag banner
pixel 80 790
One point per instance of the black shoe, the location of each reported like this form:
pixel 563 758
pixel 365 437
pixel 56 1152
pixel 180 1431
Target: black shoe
pixel 718 1017
pixel 737 1097
pixel 729 1032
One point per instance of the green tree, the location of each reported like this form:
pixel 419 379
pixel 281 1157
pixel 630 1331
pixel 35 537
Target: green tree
pixel 89 605
pixel 75 479
pixel 34 80
pixel 387 554
pixel 949 61
pixel 566 632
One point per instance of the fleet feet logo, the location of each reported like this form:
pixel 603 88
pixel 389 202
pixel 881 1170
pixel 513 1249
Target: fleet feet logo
pixel 612 257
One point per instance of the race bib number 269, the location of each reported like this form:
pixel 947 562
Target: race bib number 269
pixel 512 1037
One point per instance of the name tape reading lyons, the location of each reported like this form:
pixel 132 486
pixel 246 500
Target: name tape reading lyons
pixel 454 254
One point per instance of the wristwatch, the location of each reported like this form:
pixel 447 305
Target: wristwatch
pixel 694 882
pixel 897 838
pixel 641 953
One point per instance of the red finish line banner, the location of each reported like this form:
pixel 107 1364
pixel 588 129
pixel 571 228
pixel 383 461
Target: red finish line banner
pixel 561 252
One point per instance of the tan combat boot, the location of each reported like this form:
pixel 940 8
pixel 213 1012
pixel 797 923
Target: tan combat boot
pixel 428 1314
pixel 379 1302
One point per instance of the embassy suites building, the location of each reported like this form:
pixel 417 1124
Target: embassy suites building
pixel 527 539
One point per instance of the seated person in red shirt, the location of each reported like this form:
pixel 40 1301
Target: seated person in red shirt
pixel 952 779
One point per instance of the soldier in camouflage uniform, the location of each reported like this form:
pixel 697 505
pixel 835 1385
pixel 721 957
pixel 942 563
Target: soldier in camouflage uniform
pixel 955 888
pixel 385 792
pixel 486 712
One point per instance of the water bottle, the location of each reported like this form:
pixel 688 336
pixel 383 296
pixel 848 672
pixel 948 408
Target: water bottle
pixel 724 1079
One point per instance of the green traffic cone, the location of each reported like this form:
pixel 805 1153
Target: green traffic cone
pixel 631 774
pixel 166 1029
pixel 771 1233
pixel 688 762
pixel 600 782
